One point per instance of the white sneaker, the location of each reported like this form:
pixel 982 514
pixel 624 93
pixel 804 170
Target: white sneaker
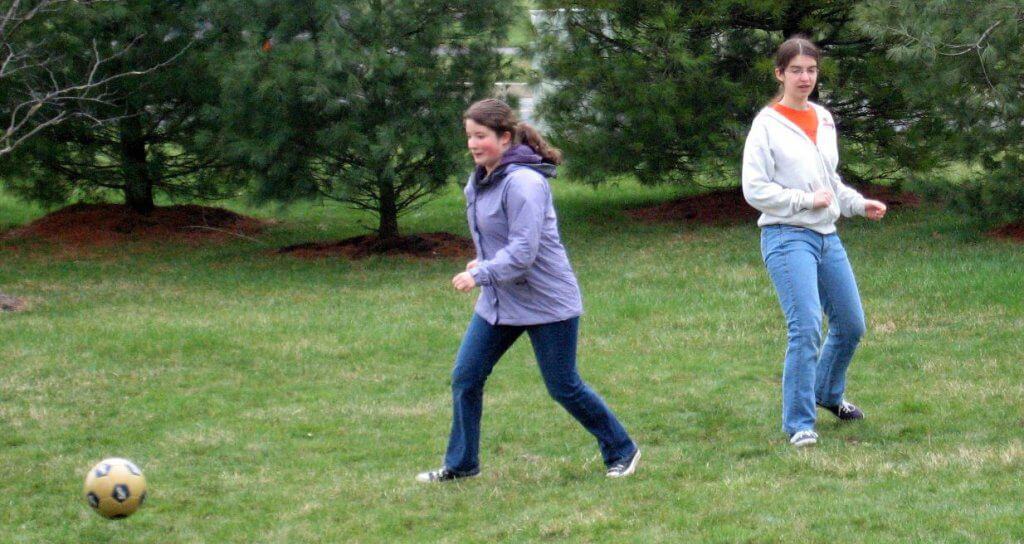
pixel 444 474
pixel 624 467
pixel 802 439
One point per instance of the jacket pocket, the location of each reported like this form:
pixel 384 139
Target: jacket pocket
pixel 520 291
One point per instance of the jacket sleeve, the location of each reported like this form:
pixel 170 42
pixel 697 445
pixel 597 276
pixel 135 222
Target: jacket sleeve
pixel 851 202
pixel 526 205
pixel 758 170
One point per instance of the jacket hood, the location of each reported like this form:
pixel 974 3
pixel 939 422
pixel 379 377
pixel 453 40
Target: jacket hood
pixel 522 155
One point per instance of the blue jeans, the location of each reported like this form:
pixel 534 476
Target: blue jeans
pixel 554 344
pixel 811 272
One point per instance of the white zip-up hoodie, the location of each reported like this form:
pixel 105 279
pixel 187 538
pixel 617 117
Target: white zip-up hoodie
pixel 782 168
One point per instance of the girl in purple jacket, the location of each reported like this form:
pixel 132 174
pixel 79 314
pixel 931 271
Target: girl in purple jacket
pixel 526 285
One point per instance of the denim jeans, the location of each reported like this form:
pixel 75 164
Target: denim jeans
pixel 811 272
pixel 554 345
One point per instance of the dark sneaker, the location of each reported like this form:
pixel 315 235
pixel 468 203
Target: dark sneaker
pixel 624 467
pixel 802 439
pixel 845 411
pixel 444 474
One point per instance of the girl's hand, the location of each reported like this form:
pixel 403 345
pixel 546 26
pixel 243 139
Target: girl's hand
pixel 463 281
pixel 822 199
pixel 470 265
pixel 874 209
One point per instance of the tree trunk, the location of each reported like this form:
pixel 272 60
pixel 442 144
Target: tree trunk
pixel 138 185
pixel 387 211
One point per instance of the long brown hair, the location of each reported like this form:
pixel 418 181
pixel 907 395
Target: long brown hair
pixel 499 117
pixel 790 49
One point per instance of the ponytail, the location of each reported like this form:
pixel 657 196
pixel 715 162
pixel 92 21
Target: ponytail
pixel 499 117
pixel 525 133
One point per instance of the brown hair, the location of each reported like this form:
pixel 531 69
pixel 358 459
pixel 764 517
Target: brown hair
pixel 499 117
pixel 790 49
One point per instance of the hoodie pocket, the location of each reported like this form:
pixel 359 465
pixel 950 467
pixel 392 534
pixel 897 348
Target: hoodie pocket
pixel 521 291
pixel 834 211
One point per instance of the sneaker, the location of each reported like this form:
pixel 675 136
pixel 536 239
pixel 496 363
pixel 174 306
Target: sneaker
pixel 625 467
pixel 444 474
pixel 802 439
pixel 845 411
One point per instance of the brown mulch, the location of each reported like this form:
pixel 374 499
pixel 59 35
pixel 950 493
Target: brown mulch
pixel 727 206
pixel 1013 231
pixel 716 208
pixel 426 246
pixel 94 225
pixel 11 304
pixel 893 199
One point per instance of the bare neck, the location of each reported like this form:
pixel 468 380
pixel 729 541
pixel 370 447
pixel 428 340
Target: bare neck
pixel 795 103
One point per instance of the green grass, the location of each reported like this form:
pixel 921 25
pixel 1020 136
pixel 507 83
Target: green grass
pixel 271 399
pixel 14 212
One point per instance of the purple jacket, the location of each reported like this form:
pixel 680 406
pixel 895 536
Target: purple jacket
pixel 523 271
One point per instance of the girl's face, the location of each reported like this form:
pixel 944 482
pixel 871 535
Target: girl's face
pixel 485 145
pixel 799 78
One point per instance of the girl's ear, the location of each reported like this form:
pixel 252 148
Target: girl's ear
pixel 506 138
pixel 779 76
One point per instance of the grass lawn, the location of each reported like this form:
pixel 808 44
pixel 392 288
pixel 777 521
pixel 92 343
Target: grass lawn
pixel 270 399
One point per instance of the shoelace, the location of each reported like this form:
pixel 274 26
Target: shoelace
pixel 619 467
pixel 845 407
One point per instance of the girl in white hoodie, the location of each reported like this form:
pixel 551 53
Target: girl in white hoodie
pixel 790 174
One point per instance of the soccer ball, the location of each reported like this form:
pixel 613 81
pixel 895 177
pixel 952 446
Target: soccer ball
pixel 115 488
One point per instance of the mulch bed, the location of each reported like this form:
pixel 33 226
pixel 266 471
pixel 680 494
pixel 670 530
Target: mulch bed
pixel 715 208
pixel 1013 232
pixel 893 199
pixel 727 206
pixel 94 225
pixel 425 246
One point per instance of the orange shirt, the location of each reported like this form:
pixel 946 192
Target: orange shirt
pixel 807 119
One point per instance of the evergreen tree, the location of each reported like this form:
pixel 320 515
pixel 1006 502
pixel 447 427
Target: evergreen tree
pixel 358 102
pixel 37 90
pixel 961 62
pixel 667 90
pixel 157 134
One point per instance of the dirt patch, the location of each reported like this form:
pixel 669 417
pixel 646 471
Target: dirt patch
pixel 94 225
pixel 1013 232
pixel 893 198
pixel 716 208
pixel 727 206
pixel 11 304
pixel 430 245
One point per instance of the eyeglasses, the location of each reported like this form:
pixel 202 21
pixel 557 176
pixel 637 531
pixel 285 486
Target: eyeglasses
pixel 798 71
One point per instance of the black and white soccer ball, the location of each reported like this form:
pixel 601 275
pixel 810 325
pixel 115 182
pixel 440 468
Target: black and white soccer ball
pixel 115 488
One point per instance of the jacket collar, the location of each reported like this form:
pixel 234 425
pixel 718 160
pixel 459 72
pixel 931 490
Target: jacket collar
pixel 518 155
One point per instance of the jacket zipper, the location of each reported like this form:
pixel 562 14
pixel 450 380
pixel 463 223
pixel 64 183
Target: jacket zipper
pixel 821 160
pixel 480 236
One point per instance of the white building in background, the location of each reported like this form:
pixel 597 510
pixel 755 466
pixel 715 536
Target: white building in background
pixel 525 94
pixel 547 23
pixel 522 94
pixel 528 95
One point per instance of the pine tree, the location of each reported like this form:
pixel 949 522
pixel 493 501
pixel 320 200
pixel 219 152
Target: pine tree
pixel 359 102
pixel 666 90
pixel 961 61
pixel 157 138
